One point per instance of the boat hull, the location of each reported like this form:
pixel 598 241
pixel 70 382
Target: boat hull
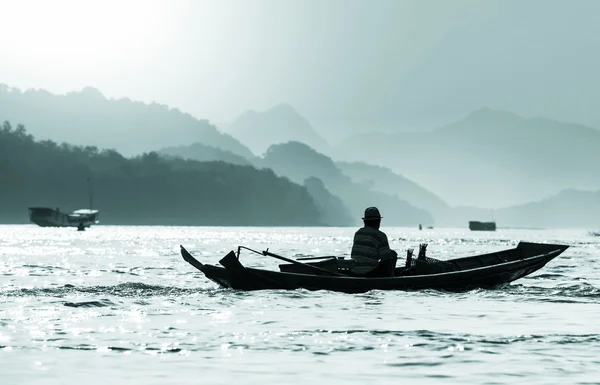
pixel 482 226
pixel 519 262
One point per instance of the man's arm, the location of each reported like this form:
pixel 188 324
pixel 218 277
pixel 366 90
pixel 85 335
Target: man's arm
pixel 385 252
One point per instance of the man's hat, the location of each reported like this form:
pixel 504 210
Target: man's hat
pixel 372 213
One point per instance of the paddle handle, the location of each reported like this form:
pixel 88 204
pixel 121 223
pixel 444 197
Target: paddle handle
pixel 268 253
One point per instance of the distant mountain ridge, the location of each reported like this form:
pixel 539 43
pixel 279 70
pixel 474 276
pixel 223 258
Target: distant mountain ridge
pixel 523 172
pixel 327 180
pixel 87 117
pixel 489 159
pixel 566 209
pixel 385 180
pixel 333 210
pixel 203 153
pixel 280 124
pixel 488 125
pixel 298 162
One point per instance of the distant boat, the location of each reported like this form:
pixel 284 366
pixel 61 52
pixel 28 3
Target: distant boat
pixel 49 217
pixel 482 226
pixel 594 233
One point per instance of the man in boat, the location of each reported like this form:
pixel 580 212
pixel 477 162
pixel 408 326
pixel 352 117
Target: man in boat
pixel 371 245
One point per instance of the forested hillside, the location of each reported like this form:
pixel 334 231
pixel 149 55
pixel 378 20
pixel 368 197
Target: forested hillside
pixel 147 189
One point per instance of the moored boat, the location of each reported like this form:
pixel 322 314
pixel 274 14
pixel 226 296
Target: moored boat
pixel 49 217
pixel 482 226
pixel 479 271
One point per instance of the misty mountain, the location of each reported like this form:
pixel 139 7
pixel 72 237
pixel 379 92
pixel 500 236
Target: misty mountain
pixel 203 153
pixel 298 162
pixel 569 208
pixel 333 211
pixel 280 124
pixel 383 179
pixel 147 189
pixel 89 118
pixel 488 159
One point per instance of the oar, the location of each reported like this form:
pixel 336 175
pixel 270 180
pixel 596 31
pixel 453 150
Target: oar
pixel 269 254
pixel 313 258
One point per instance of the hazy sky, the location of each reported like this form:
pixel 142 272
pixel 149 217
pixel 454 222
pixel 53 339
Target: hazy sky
pixel 344 64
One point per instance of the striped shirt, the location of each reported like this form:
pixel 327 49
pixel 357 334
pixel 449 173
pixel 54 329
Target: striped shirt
pixel 371 244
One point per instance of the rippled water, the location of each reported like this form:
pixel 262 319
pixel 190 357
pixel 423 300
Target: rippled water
pixel 119 305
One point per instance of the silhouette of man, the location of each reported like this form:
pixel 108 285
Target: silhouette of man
pixel 371 245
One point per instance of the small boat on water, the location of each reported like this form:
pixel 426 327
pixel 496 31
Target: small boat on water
pixel 594 233
pixel 339 274
pixel 482 226
pixel 48 217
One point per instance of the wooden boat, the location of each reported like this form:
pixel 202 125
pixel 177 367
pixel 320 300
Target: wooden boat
pixel 482 226
pixel 48 217
pixel 480 271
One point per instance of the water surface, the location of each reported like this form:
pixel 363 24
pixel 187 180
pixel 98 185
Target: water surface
pixel 119 305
